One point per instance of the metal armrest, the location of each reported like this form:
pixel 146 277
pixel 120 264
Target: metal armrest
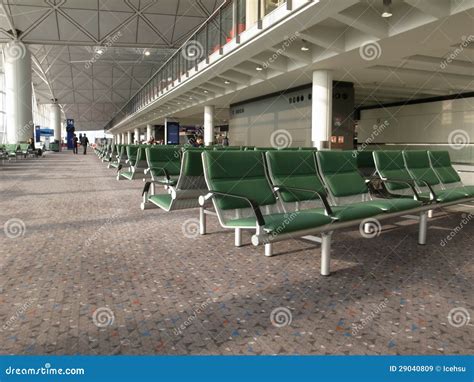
pixel 321 196
pixel 410 183
pixel 432 192
pixel 253 205
pixel 163 170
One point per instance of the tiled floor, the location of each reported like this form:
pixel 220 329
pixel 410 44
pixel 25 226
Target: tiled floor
pixel 84 270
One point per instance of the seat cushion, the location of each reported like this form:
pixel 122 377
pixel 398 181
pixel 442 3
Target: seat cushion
pixel 468 190
pixel 356 211
pixel 395 204
pixel 128 175
pixel 286 222
pixel 162 200
pixel 445 196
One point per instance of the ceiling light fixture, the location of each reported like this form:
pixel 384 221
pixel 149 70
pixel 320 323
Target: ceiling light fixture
pixel 304 48
pixel 205 92
pixel 147 52
pixel 259 68
pixel 227 82
pixel 100 51
pixel 387 9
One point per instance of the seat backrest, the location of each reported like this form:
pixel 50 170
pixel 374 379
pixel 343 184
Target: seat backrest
pixel 11 147
pixel 441 164
pixel 132 151
pixel 391 165
pixel 191 176
pixel 418 165
pixel 294 169
pixel 365 162
pixel 237 172
pixel 339 172
pixel 168 158
pixel 24 146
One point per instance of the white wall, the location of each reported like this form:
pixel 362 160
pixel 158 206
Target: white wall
pixel 439 124
pixel 261 118
pixel 421 123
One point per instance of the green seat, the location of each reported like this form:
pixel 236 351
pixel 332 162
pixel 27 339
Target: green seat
pixel 161 200
pixel 164 163
pixel 391 165
pixel 441 165
pixel 418 165
pixel 242 173
pixel 365 162
pixel 286 222
pixel 297 170
pixel 340 173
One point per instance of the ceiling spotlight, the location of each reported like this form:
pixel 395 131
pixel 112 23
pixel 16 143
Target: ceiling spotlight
pixel 259 68
pixel 100 51
pixel 227 82
pixel 147 53
pixel 205 92
pixel 387 8
pixel 304 48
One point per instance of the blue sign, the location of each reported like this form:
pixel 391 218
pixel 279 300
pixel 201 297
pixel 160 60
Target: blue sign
pixel 37 133
pixel 237 368
pixel 70 133
pixel 172 133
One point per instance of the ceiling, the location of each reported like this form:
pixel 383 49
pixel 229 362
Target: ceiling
pixel 425 49
pixel 93 55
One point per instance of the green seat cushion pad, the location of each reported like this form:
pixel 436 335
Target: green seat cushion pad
pixel 161 200
pixel 286 222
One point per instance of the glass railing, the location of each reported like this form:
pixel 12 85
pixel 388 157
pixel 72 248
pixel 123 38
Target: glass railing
pixel 226 24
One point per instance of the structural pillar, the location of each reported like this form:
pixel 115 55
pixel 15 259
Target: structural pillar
pixel 321 118
pixel 129 137
pixel 123 140
pixel 55 121
pixel 209 125
pixel 149 132
pixel 18 97
pixel 137 135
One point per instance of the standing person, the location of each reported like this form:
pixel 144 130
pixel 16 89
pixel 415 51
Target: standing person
pixel 74 144
pixel 225 141
pixel 85 142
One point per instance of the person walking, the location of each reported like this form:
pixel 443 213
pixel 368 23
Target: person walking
pixel 85 142
pixel 75 140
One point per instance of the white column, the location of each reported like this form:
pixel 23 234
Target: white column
pixel 166 132
pixel 137 135
pixel 149 132
pixel 321 125
pixel 55 121
pixel 208 125
pixel 124 139
pixel 18 92
pixel 129 137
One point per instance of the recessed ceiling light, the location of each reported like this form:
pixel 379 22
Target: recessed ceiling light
pixel 205 92
pixel 227 82
pixel 387 9
pixel 147 53
pixel 100 51
pixel 304 48
pixel 190 97
pixel 259 68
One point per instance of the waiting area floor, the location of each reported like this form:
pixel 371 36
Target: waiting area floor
pixel 85 271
